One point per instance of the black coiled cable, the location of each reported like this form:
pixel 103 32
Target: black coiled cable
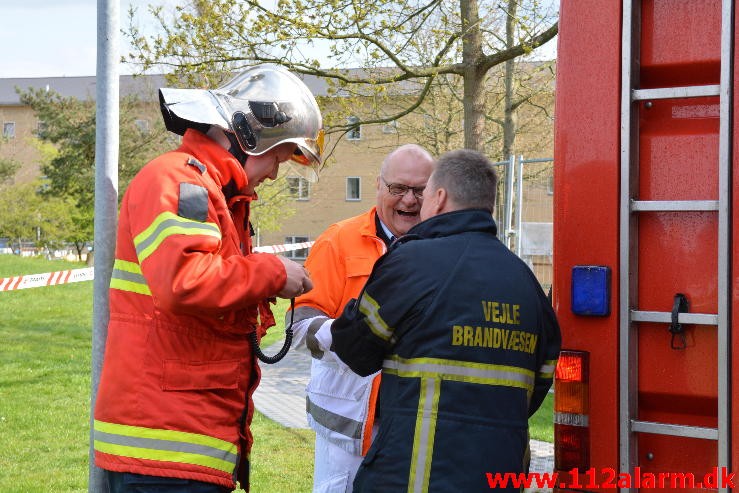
pixel 270 360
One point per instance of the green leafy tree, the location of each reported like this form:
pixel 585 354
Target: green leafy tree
pixel 69 125
pixel 67 139
pixel 403 47
pixel 30 216
pixel 8 167
pixel 273 206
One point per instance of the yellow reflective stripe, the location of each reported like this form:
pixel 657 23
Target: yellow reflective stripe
pixel 126 266
pixel 432 371
pixel 371 309
pixel 163 455
pixel 167 224
pixel 547 369
pixel 129 286
pixel 165 445
pixel 127 276
pixel 423 438
pixel 460 371
pixel 159 434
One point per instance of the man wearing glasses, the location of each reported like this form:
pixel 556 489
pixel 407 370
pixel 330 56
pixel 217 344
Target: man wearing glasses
pixel 341 404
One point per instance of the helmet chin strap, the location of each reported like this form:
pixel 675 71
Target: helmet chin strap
pixel 235 149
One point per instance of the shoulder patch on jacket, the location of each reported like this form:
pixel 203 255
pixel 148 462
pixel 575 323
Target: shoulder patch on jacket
pixel 193 202
pixel 197 164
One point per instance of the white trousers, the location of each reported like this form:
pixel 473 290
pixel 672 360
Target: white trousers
pixel 334 468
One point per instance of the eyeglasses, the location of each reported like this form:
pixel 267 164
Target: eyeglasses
pixel 400 190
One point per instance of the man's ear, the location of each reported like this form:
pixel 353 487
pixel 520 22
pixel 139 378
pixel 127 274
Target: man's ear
pixel 441 200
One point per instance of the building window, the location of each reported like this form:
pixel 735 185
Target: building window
pixel 390 127
pixel 9 130
pixel 356 132
pixel 299 188
pixel 550 185
pixel 300 254
pixel 41 127
pixel 353 188
pixel 142 125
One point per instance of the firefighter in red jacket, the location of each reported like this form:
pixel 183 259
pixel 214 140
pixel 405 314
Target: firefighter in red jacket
pixel 174 403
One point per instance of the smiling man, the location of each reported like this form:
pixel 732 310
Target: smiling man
pixel 340 403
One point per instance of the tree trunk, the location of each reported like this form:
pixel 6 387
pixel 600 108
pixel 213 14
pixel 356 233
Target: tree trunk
pixel 509 117
pixel 474 77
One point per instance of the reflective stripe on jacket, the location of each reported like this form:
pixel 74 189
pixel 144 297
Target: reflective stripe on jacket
pixel 340 404
pixel 467 342
pixel 178 373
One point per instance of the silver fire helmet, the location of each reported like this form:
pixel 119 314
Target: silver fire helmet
pixel 264 106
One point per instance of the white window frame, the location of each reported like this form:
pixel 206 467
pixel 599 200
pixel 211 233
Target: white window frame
pixel 359 189
pixel 301 254
pixel 299 190
pixel 355 133
pixel 9 130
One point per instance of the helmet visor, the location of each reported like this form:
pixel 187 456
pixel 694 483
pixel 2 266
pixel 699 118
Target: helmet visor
pixel 307 158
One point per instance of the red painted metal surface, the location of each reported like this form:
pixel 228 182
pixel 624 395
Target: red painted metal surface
pixel 586 195
pixel 678 143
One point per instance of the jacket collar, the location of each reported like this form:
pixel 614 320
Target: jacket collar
pixel 221 165
pixel 368 228
pixel 451 223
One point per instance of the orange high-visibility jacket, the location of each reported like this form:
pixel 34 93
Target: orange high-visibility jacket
pixel 340 403
pixel 178 374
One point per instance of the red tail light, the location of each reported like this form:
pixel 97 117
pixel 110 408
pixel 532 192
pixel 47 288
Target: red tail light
pixel 571 410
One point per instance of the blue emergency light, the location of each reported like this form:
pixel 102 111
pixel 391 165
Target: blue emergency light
pixel 591 290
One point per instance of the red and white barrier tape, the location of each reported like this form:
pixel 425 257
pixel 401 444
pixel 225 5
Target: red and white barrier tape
pixel 46 279
pixel 283 248
pixel 87 274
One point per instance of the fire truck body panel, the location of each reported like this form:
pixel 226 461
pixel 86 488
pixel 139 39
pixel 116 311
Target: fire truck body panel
pixel 676 145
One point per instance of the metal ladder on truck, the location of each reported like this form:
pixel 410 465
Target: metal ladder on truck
pixel 631 207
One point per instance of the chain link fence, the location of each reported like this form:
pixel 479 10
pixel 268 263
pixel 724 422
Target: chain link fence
pixel 525 212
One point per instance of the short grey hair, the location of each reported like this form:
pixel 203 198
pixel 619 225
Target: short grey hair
pixel 468 177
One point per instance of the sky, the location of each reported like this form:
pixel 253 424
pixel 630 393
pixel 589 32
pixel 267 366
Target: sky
pixel 55 38
pixel 58 38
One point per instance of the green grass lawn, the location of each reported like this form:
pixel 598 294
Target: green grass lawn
pixel 45 352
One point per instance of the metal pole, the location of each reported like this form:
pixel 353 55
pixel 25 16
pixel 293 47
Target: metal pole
pixel 508 226
pixel 519 202
pixel 106 199
pixel 725 280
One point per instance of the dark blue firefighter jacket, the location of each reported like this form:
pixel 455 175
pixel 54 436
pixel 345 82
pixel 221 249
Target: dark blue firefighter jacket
pixel 467 343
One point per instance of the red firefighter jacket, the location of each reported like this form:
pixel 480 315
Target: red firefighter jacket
pixel 178 373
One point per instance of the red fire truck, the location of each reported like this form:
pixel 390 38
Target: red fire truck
pixel 645 253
